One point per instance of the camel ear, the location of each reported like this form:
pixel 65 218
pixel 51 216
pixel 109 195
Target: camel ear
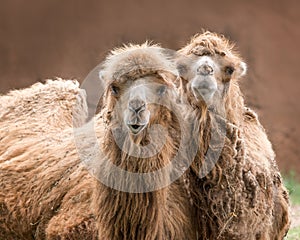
pixel 240 70
pixel 183 64
pixel 182 69
pixel 101 75
pixel 243 69
pixel 170 77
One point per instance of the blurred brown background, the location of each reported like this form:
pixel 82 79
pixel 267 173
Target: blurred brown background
pixel 44 39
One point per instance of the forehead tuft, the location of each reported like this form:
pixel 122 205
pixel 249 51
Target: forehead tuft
pixel 210 44
pixel 149 78
pixel 136 61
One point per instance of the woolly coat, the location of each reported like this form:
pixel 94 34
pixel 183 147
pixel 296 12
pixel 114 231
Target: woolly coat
pixel 243 196
pixel 31 121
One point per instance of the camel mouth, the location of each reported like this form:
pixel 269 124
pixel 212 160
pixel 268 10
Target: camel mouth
pixel 203 88
pixel 136 128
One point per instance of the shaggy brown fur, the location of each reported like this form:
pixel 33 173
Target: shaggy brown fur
pixel 55 104
pixel 46 190
pixel 243 197
pixel 42 109
pixel 166 220
pixel 35 179
pixel 162 214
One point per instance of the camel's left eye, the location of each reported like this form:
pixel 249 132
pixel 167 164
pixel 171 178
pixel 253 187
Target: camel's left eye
pixel 161 90
pixel 114 90
pixel 229 70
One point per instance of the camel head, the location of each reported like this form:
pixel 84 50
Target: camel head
pixel 137 102
pixel 208 65
pixel 139 83
pixel 144 130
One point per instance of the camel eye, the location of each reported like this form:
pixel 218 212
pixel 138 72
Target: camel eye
pixel 161 90
pixel 114 90
pixel 229 70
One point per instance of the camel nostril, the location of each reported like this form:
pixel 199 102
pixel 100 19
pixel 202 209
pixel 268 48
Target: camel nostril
pixel 136 105
pixel 205 69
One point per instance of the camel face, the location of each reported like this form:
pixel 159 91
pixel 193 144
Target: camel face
pixel 204 81
pixel 137 102
pixel 207 77
pixel 208 65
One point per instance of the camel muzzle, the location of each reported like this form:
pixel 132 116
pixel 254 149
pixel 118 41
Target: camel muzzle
pixel 204 87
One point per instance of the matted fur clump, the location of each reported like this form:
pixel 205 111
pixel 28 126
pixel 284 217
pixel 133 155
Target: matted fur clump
pixel 243 196
pixel 47 193
pixel 54 104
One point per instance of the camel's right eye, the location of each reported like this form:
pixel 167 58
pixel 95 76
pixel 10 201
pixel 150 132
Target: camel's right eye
pixel 114 90
pixel 229 70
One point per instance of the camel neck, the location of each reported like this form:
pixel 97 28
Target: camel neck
pixel 160 214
